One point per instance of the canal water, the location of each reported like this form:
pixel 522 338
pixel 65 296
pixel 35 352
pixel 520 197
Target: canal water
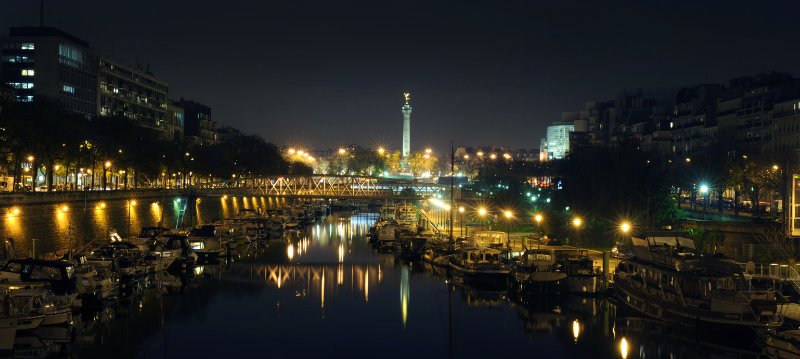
pixel 325 292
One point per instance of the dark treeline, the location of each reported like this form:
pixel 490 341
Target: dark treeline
pixel 61 144
pixel 606 186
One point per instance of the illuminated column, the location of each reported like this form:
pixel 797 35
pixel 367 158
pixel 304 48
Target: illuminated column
pixel 406 129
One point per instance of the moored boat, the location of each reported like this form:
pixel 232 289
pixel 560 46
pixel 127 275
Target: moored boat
pixel 537 270
pixel 669 279
pixel 481 267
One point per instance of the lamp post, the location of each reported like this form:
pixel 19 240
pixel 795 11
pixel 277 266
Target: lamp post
pixel 538 218
pixel 704 191
pixel 577 222
pixel 106 167
pixel 482 214
pixel 461 220
pixel 508 214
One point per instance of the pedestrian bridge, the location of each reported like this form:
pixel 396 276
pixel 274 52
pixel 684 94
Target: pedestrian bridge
pixel 329 186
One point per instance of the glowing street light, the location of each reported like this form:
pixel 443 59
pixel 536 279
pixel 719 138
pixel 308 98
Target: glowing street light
pixel 428 150
pixel 482 214
pixel 775 167
pixel 493 156
pixel 508 214
pixel 381 150
pixel 107 164
pixel 625 227
pixel 506 156
pixel 704 188
pixel 292 151
pixel 577 221
pixel 480 153
pixel 30 158
pixel 538 218
pixel 342 151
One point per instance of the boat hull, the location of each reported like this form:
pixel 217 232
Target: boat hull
pixel 673 313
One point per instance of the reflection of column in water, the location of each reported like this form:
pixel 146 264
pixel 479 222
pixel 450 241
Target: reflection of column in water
pixel 404 294
pixel 366 285
pixel 340 274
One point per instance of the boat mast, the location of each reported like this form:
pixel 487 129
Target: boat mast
pixel 452 185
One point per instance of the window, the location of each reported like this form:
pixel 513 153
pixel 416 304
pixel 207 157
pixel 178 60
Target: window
pixel 70 55
pixel 24 98
pixel 27 46
pixel 17 58
pixel 68 88
pixel 21 85
pixel 27 72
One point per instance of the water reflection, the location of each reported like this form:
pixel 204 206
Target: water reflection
pixel 304 295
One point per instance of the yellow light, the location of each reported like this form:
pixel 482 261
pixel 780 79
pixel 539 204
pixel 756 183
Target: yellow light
pixel 108 164
pixel 446 207
pixel 625 227
pixel 493 156
pixel 14 211
pixel 538 218
pixel 775 167
pixel 506 156
pixel 102 205
pixel 292 151
pixel 688 160
pixel 57 167
pixel 225 197
pixel 461 209
pixel 426 156
pixel 133 202
pixel 64 208
pixel 290 251
pixel 577 221
pixel 466 157
pixel 30 158
pixel 27 169
pixel 428 150
pixel 623 348
pixel 481 211
pixel 480 153
pixel 381 150
pixel 576 330
pixel 342 151
pixel 508 214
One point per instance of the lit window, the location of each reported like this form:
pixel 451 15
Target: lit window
pixel 671 124
pixel 27 72
pixel 21 85
pixel 68 88
pixel 27 98
pixel 27 46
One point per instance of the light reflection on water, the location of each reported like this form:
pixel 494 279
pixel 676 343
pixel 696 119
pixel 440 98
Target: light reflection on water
pixel 324 292
pixel 56 226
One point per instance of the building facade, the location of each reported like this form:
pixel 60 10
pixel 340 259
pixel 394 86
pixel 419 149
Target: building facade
pixel 558 139
pixel 47 62
pixel 132 92
pixel 199 126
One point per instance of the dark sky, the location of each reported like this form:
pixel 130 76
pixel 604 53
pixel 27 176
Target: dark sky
pixel 320 73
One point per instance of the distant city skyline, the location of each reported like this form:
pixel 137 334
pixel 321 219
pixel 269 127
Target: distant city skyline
pixel 481 73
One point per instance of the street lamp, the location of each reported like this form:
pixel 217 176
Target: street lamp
pixel 538 218
pixel 704 191
pixel 381 150
pixel 625 227
pixel 508 215
pixel 577 222
pixel 482 214
pixel 461 210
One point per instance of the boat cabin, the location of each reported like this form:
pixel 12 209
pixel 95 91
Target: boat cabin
pixel 490 239
pixel 58 274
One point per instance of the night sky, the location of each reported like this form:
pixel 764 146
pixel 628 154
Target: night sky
pixel 480 72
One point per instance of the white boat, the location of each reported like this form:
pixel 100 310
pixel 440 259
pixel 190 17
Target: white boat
pixel 38 300
pixel 406 216
pixel 669 279
pixel 537 269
